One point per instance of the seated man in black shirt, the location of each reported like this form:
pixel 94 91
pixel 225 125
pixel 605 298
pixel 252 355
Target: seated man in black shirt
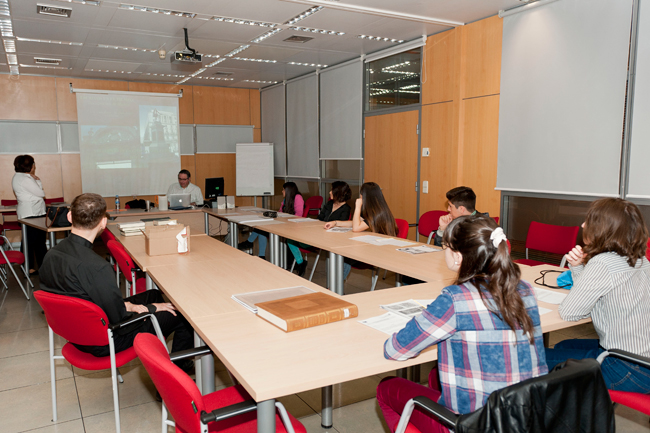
pixel 72 268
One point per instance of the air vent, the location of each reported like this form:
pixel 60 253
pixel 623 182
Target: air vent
pixel 53 10
pixel 298 39
pixel 44 61
pixel 222 74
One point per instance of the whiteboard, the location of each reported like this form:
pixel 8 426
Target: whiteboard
pixel 254 169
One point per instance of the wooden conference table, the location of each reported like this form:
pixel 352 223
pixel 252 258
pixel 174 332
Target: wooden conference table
pixel 267 361
pixel 41 224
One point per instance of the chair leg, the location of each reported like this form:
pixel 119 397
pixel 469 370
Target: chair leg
pixel 375 277
pixel 292 266
pixel 385 273
pixel 19 283
pixel 315 264
pixel 53 375
pixel 114 374
pixel 119 376
pixel 29 280
pixel 165 421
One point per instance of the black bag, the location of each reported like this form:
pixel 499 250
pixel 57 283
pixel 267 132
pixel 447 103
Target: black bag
pixel 57 216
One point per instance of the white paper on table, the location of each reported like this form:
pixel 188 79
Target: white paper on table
pixel 251 208
pixel 422 249
pixel 393 241
pixel 339 229
pixel 182 240
pixel 408 309
pixel 243 219
pixel 388 323
pixel 265 222
pixel 543 310
pixel 368 239
pixel 549 297
pixel 300 220
pixel 286 215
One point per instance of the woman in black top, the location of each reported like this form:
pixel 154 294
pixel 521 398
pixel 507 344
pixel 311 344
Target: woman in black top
pixel 336 208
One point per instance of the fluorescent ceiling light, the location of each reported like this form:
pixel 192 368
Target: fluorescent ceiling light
pixel 255 60
pixel 260 81
pixel 379 38
pixel 322 32
pixel 313 65
pixel 13 70
pixel 6 28
pixel 82 2
pixel 244 22
pixel 237 50
pixel 43 66
pixel 12 59
pixel 216 62
pixel 183 80
pixel 10 45
pixel 108 70
pixel 302 16
pixel 48 41
pixel 216 78
pixel 266 35
pixel 117 47
pixel 157 11
pixel 165 75
pixel 378 12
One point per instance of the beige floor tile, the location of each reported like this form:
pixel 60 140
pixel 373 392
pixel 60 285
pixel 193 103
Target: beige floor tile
pixel 144 418
pixel 76 426
pixel 344 394
pixel 20 318
pixel 27 341
pixel 312 425
pixel 96 392
pixel 361 417
pixel 81 372
pixel 296 406
pixel 32 369
pixel 30 407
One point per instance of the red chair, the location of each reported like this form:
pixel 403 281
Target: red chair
pixel 636 401
pixel 551 239
pixel 312 206
pixel 10 225
pixel 647 251
pixel 127 267
pixel 85 323
pixel 10 258
pixel 496 220
pixel 227 410
pixel 106 236
pixel 429 223
pixel 54 200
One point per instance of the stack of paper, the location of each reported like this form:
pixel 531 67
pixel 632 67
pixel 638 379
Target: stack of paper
pixel 131 229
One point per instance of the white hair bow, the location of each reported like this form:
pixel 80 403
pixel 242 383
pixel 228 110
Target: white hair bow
pixel 497 236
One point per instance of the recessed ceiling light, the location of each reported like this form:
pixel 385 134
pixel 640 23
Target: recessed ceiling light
pixel 244 22
pixel 379 38
pixel 10 45
pixel 43 67
pixel 260 81
pixel 4 8
pixel 266 35
pixel 48 41
pixel 255 60
pixel 322 32
pixel 54 11
pixel 82 2
pixel 6 28
pixel 303 15
pixel 46 61
pixel 312 65
pixel 237 50
pixel 13 70
pixel 216 62
pixel 157 11
pixel 12 59
pixel 118 47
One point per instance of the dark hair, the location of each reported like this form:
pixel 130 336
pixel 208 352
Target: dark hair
pixel 23 163
pixel 462 196
pixel 615 225
pixel 290 193
pixel 341 191
pixel 489 268
pixel 375 210
pixel 87 210
pixel 185 172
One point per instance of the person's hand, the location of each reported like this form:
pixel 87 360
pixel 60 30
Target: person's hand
pixel 444 221
pixel 35 177
pixel 166 306
pixel 329 225
pixel 359 203
pixel 575 256
pixel 135 308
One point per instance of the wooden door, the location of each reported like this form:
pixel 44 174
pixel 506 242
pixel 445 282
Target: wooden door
pixel 391 160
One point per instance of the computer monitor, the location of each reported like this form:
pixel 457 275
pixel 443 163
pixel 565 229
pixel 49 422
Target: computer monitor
pixel 213 188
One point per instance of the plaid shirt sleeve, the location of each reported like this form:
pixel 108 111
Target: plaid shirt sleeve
pixel 437 323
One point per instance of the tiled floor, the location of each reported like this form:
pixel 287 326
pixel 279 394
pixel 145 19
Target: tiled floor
pixel 85 398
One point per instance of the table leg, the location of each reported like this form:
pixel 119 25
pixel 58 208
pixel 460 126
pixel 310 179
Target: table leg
pixel 206 217
pixel 234 234
pixel 52 239
pixel 398 280
pixel 25 249
pixel 266 416
pixel 335 271
pixel 326 407
pixel 274 246
pixel 283 254
pixel 547 339
pixel 207 369
pixel 197 365
pixel 149 282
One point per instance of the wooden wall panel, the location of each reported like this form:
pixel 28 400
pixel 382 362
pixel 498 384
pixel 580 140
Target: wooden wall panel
pixel 185 104
pixel 66 102
pixel 256 119
pixel 27 98
pixel 71 176
pixel 478 165
pixel 6 174
pixel 188 162
pixel 216 165
pixel 257 135
pixel 441 168
pixel 481 57
pixel 221 106
pixel 440 74
pixel 391 152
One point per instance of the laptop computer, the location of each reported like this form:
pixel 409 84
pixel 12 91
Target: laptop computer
pixel 180 201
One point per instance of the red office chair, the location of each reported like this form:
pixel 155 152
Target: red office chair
pixel 636 401
pixel 54 200
pixel 85 323
pixel 312 206
pixel 106 236
pixel 551 239
pixel 10 258
pixel 496 220
pixel 127 267
pixel 10 225
pixel 647 251
pixel 228 410
pixel 429 223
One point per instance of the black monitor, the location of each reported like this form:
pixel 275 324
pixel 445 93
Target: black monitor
pixel 213 188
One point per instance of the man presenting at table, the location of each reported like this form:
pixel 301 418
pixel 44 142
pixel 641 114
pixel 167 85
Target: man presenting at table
pixel 461 201
pixel 71 268
pixel 185 186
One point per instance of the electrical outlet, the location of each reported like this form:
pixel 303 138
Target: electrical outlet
pixel 425 151
pixel 425 186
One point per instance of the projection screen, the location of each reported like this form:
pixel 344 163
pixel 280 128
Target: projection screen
pixel 129 143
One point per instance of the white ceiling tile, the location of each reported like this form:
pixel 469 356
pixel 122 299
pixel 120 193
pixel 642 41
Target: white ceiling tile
pixel 112 65
pixel 38 29
pixel 44 49
pixel 149 22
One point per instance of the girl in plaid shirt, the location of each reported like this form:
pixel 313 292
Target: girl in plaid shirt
pixel 486 326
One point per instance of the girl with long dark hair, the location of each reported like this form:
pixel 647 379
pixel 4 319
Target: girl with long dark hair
pixel 486 325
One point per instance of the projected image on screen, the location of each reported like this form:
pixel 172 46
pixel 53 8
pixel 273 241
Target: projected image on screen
pixel 129 145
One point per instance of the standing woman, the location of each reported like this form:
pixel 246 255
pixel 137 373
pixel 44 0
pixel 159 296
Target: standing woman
pixel 611 284
pixel 29 193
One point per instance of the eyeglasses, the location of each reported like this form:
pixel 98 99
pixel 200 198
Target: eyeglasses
pixel 183 178
pixel 541 282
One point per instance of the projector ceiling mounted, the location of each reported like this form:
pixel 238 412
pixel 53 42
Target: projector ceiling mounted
pixel 188 55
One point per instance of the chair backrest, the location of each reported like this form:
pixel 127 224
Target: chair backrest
pixel 647 251
pixel 429 222
pixel 402 228
pixel 74 319
pixel 313 202
pixel 107 236
pixel 572 398
pixel 551 238
pixel 496 220
pixel 177 389
pixel 123 259
pixel 9 203
pixel 54 200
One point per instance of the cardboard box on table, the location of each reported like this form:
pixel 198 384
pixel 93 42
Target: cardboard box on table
pixel 161 240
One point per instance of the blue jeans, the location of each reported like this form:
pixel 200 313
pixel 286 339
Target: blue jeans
pixel 263 239
pixel 619 375
pixel 294 247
